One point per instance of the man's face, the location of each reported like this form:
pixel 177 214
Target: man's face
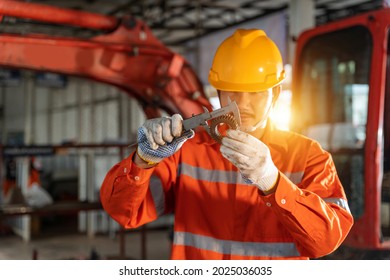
pixel 254 106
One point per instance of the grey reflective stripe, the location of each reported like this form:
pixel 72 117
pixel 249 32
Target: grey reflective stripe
pixel 295 177
pixel 263 249
pixel 338 201
pixel 157 191
pixel 228 177
pixel 222 176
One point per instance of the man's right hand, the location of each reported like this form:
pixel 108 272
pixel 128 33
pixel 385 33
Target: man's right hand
pixel 160 138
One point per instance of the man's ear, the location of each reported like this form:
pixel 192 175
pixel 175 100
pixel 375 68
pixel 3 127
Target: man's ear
pixel 275 93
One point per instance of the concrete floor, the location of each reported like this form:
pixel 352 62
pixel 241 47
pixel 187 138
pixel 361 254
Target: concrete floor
pixel 60 242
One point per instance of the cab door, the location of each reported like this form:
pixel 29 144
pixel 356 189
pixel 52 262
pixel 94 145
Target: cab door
pixel 339 82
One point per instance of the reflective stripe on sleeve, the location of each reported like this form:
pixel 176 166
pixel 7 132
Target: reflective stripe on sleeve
pixel 338 201
pixel 157 191
pixel 261 249
pixel 295 177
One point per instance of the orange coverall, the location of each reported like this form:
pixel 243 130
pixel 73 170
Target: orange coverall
pixel 219 216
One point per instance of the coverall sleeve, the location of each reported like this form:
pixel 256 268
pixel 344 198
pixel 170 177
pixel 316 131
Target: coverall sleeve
pixel 125 193
pixel 314 211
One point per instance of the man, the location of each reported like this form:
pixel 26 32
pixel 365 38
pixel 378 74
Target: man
pixel 261 194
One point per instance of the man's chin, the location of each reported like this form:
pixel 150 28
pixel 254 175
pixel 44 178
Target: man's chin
pixel 247 129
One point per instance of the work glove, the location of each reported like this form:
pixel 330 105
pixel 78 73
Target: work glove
pixel 252 157
pixel 160 138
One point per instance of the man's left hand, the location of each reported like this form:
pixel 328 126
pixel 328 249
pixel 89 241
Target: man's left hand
pixel 252 157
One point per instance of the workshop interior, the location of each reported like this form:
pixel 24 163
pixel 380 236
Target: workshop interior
pixel 78 77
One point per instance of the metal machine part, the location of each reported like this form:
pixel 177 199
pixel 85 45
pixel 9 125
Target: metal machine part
pixel 229 120
pixel 229 115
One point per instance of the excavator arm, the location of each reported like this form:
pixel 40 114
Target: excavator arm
pixel 126 55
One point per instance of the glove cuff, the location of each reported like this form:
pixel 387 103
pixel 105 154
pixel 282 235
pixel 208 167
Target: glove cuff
pixel 149 159
pixel 151 156
pixel 267 180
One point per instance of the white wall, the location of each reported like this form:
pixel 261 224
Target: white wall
pixel 82 112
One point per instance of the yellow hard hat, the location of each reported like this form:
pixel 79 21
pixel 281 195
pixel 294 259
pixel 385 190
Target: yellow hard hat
pixel 247 61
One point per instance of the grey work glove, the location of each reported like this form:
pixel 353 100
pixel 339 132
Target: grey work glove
pixel 160 138
pixel 252 157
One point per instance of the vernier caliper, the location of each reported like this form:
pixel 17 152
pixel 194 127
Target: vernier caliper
pixel 229 115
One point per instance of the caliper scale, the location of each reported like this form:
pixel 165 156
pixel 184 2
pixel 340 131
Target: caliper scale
pixel 211 121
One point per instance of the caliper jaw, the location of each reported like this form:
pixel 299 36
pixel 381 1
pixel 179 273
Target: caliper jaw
pixel 229 115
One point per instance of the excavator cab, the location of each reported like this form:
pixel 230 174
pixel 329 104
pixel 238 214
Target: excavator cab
pixel 341 83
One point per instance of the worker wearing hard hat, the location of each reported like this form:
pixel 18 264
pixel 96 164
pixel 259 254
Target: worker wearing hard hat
pixel 260 194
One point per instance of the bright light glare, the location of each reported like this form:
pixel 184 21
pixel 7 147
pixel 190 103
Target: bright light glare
pixel 281 114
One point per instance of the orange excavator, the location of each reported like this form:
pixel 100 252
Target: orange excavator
pixel 125 54
pixel 341 79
